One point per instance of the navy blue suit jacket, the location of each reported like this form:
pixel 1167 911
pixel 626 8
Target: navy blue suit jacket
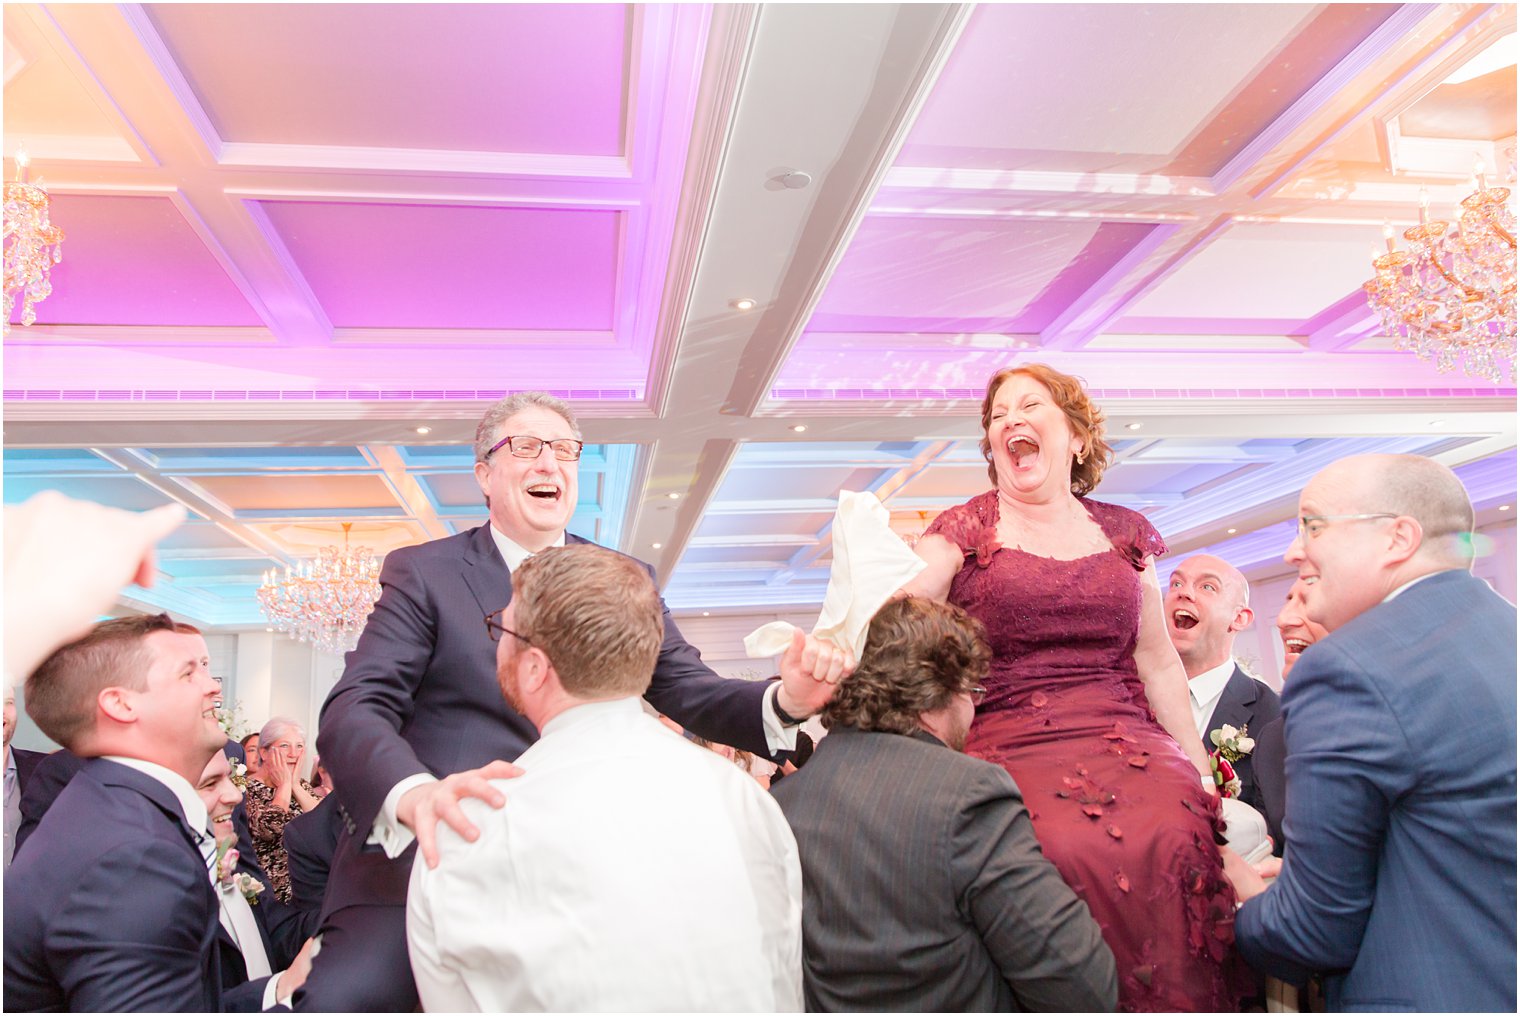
pixel 419 695
pixel 310 840
pixel 285 928
pixel 110 907
pixel 1268 766
pixel 26 764
pixel 1245 703
pixel 1399 876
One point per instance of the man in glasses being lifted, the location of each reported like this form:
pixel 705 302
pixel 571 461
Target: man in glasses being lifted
pixel 416 723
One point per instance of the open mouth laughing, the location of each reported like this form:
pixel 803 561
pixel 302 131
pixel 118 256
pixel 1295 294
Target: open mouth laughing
pixel 1023 450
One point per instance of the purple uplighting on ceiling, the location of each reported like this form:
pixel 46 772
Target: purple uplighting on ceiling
pixel 171 277
pixel 542 78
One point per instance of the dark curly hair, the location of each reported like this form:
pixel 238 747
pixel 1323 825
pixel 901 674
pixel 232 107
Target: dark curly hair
pixel 918 655
pixel 1084 416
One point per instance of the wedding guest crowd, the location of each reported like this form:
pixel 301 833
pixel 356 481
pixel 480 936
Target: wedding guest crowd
pixel 1014 807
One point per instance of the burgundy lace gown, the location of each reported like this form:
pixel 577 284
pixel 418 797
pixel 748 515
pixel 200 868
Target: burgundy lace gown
pixel 1116 805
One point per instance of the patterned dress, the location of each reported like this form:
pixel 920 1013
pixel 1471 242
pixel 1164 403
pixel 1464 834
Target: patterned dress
pixel 1117 806
pixel 266 824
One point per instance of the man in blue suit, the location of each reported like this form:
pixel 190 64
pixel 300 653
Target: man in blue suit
pixel 417 722
pixel 1399 876
pixel 110 907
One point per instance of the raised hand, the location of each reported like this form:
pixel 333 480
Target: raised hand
pixel 66 562
pixel 810 671
pixel 422 808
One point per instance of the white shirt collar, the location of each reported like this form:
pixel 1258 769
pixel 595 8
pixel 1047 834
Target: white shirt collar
pixel 1204 691
pixel 1411 582
pixel 511 551
pixel 1209 685
pixel 189 801
pixel 589 711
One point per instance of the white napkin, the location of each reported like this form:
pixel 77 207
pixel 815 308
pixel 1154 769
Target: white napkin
pixel 1245 829
pixel 870 564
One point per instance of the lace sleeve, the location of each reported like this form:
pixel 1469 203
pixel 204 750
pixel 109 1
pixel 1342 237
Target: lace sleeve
pixel 959 525
pixel 1129 531
pixel 1148 542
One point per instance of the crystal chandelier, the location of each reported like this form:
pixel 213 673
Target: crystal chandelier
pixel 325 600
pixel 1450 297
pixel 32 246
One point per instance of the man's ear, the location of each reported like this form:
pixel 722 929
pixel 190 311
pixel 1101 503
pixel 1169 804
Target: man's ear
pixel 1243 618
pixel 118 704
pixel 482 471
pixel 536 669
pixel 1405 537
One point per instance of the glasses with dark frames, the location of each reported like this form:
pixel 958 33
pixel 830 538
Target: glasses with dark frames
pixel 496 629
pixel 525 446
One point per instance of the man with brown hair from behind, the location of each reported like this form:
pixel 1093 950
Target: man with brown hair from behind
pixel 925 889
pixel 630 869
pixel 110 908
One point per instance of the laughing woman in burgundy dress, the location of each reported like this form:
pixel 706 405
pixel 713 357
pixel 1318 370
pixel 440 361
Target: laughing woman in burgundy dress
pixel 1087 701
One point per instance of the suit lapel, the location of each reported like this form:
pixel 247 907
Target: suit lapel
pixel 485 572
pixel 1235 702
pixel 114 775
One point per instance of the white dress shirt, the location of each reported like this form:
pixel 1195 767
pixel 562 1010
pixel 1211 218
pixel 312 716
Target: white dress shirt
pixel 629 870
pixel 12 804
pixel 1203 693
pixel 390 835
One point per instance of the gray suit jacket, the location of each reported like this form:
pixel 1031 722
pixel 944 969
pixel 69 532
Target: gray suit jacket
pixel 924 888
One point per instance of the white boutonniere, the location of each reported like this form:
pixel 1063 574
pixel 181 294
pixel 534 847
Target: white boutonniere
pixel 249 886
pixel 1230 746
pixel 228 878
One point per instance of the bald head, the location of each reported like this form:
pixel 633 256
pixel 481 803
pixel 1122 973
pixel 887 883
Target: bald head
pixel 1207 603
pixel 1420 488
pixel 1379 522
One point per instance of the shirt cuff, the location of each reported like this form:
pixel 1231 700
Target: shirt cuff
pixel 270 988
pixel 778 736
pixel 388 833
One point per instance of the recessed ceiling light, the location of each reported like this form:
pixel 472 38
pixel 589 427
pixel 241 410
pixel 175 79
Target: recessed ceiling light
pixel 1232 532
pixel 657 546
pixel 743 303
pixel 1133 426
pixel 706 613
pixel 269 629
pixel 673 496
pixel 1504 507
pixel 798 428
pixel 424 430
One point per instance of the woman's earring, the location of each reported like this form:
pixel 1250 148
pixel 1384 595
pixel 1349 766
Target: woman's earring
pixel 1081 457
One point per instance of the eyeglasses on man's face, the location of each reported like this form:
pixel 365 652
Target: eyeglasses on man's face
pixel 1310 526
pixel 496 629
pixel 525 446
pixel 978 694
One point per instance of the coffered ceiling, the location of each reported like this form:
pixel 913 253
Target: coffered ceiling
pixel 296 234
